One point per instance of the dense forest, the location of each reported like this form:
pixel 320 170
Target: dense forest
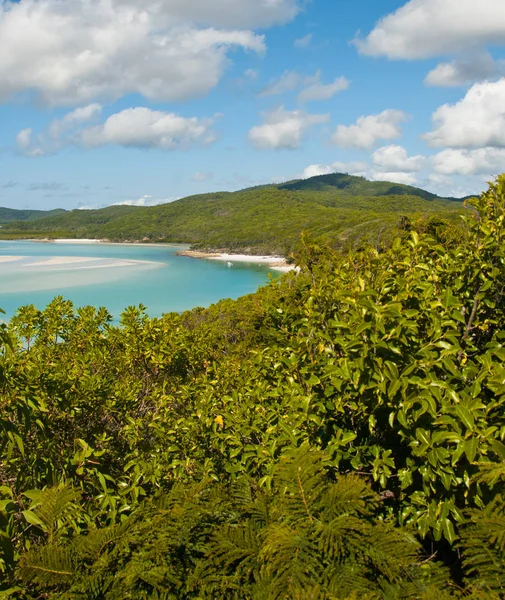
pixel 12 214
pixel 266 219
pixel 338 435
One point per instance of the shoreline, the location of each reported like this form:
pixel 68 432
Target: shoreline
pixel 277 263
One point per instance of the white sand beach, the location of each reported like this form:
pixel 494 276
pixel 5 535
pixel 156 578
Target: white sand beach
pixel 274 262
pixel 70 241
pixel 6 259
pixel 61 260
pixel 86 262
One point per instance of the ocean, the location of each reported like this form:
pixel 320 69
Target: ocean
pixel 119 275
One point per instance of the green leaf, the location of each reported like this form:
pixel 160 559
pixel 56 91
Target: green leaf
pixel 471 446
pixel 465 416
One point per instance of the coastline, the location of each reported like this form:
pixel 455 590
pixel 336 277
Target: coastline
pixel 277 263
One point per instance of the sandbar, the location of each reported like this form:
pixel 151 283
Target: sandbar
pixel 78 262
pixel 4 259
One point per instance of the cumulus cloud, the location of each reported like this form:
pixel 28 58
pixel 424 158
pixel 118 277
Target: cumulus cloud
pixel 370 129
pixel 146 200
pixel 394 177
pixel 478 120
pixel 145 128
pixel 318 91
pixel 466 70
pixel 303 42
pixel 74 118
pixel 287 82
pixel 25 144
pixel 75 51
pixel 221 13
pixel 356 168
pixel 284 129
pixel 395 159
pixel 24 138
pixel 481 161
pixel 428 28
pixel 138 127
pixel 313 88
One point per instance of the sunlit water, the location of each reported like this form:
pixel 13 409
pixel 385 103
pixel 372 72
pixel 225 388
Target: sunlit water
pixel 117 276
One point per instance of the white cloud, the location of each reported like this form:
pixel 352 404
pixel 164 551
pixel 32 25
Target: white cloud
pixel 287 82
pixel 24 138
pixel 482 161
pixel 427 28
pixel 75 51
pixel 356 168
pixel 303 42
pixel 396 159
pixel 133 127
pixel 466 70
pixel 145 200
pixel 478 120
pixel 74 118
pixel 251 74
pixel 313 89
pixel 319 91
pixel 145 128
pixel 394 177
pixel 202 176
pixel 370 129
pixel 25 144
pixel 221 13
pixel 284 129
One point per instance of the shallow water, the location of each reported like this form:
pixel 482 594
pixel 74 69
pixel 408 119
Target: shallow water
pixel 117 276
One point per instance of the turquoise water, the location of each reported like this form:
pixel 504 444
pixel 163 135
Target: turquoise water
pixel 117 276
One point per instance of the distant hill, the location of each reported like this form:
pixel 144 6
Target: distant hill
pixel 12 214
pixel 356 186
pixel 262 219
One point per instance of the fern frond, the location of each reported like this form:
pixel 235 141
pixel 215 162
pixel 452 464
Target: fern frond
pixel 51 506
pixel 349 495
pixel 48 566
pixel 483 546
pixel 301 481
pixel 291 563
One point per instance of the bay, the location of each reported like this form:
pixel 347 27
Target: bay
pixel 118 275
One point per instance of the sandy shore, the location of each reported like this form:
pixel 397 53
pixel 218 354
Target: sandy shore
pixel 274 262
pixel 61 260
pixel 4 259
pixel 70 241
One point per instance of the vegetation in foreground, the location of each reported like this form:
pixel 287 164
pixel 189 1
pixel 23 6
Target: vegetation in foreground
pixel 344 209
pixel 338 435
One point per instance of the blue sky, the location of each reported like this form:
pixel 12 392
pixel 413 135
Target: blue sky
pixel 144 101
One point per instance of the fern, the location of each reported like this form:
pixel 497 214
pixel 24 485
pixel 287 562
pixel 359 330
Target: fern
pixel 48 566
pixel 483 547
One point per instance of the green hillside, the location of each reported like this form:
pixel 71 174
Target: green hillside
pixel 266 219
pixel 11 214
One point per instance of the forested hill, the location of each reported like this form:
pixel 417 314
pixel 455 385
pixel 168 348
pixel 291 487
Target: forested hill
pixel 266 218
pixel 12 214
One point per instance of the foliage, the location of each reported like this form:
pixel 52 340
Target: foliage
pixel 12 214
pixel 307 537
pixel 338 434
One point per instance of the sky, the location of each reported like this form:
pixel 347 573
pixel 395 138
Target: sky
pixel 145 101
